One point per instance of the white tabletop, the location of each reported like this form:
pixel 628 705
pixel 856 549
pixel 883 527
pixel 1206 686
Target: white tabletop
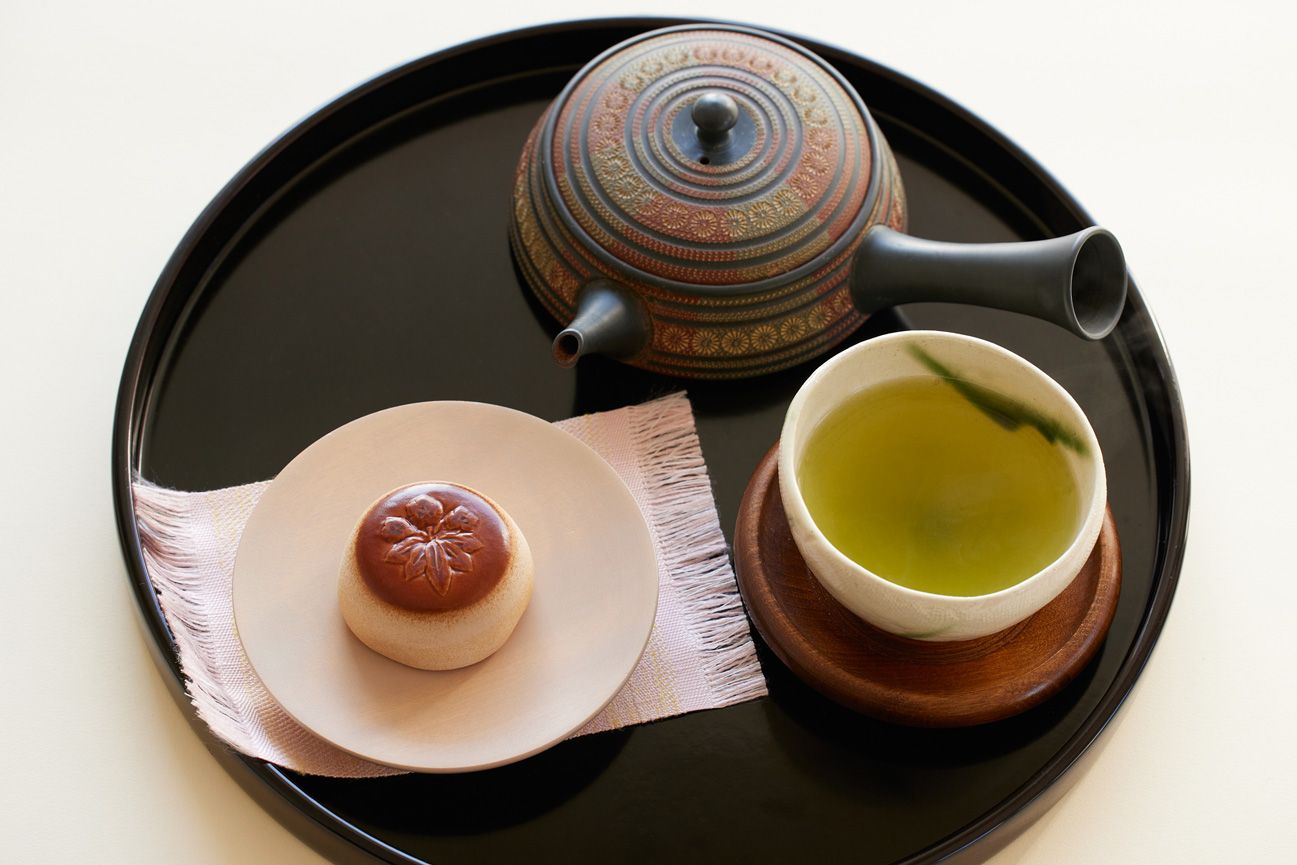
pixel 119 121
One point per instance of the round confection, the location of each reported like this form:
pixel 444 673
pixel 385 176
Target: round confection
pixel 436 575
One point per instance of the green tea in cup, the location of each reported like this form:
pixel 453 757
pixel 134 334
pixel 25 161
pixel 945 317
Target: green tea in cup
pixel 939 488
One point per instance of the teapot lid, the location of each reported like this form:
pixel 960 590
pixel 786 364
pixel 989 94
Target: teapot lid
pixel 712 156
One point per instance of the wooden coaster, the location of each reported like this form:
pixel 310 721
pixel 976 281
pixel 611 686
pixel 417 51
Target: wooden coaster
pixel 904 681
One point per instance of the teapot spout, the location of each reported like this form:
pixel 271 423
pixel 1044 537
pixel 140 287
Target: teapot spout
pixel 609 320
pixel 1077 282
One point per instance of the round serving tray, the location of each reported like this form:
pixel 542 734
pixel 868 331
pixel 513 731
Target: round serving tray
pixel 361 262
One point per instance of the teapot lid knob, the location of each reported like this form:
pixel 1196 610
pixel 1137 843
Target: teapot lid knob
pixel 714 113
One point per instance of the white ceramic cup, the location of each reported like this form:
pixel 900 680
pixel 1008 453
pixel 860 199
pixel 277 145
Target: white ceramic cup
pixel 895 608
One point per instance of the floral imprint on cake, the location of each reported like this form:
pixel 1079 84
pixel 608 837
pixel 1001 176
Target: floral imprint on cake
pixel 432 545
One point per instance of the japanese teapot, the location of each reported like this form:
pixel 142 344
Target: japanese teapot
pixel 713 201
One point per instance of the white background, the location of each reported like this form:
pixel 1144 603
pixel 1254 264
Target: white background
pixel 1171 122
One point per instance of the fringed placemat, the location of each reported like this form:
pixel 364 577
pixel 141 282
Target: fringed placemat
pixel 699 655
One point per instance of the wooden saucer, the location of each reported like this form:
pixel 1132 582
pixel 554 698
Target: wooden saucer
pixel 904 681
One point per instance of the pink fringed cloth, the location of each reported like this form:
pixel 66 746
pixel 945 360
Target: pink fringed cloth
pixel 699 655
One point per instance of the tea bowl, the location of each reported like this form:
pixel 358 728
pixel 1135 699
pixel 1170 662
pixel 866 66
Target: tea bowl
pixel 1037 400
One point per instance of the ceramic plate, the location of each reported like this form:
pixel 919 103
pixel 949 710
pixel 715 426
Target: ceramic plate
pixel 591 610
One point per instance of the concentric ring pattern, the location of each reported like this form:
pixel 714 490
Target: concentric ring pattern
pixel 741 262
pixel 631 187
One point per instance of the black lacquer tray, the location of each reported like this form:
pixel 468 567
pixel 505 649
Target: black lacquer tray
pixel 361 262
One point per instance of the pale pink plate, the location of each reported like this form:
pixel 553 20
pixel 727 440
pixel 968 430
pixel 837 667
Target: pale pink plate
pixel 589 619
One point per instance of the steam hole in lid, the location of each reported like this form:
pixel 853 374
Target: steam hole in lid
pixel 704 160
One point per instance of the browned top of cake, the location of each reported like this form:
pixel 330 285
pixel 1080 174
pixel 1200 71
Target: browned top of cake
pixel 432 546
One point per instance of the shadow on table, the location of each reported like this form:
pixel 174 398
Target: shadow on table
pixel 474 802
